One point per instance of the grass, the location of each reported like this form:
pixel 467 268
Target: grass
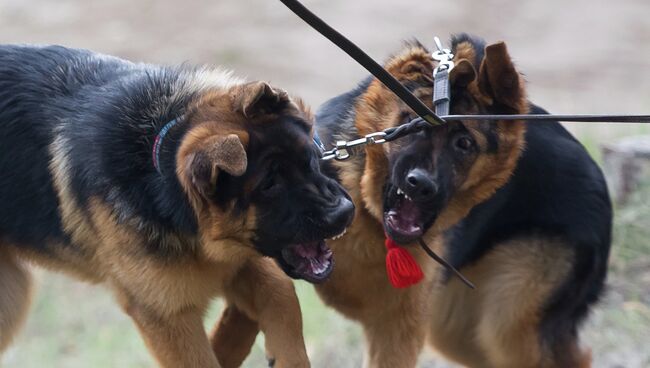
pixel 78 325
pixel 73 324
pixel 593 139
pixel 619 330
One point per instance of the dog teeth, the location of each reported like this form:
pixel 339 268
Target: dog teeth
pixel 318 267
pixel 407 197
pixel 399 191
pixel 340 235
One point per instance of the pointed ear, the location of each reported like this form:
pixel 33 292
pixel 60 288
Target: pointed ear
pixel 258 98
pixel 214 154
pixel 462 74
pixel 499 80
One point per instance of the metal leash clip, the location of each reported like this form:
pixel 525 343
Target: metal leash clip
pixel 343 149
pixel 443 56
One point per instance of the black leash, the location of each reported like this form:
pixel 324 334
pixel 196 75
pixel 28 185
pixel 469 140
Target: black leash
pixel 413 102
pixel 342 151
pixel 446 264
pixel 441 101
pixel 583 118
pixel 366 61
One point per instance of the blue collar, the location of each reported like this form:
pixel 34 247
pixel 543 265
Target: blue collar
pixel 318 142
pixel 158 143
pixel 163 132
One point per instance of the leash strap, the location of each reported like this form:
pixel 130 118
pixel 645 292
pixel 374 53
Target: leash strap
pixel 445 264
pixel 441 87
pixel 441 97
pixel 366 61
pixel 441 92
pixel 584 118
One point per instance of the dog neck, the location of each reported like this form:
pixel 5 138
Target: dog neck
pixel 165 144
pixel 158 141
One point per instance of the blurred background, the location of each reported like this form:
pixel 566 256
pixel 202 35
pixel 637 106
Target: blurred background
pixel 579 56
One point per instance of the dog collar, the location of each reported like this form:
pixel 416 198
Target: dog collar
pixel 158 143
pixel 318 142
pixel 155 153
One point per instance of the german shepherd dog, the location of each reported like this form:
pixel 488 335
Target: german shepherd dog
pixel 167 184
pixel 520 208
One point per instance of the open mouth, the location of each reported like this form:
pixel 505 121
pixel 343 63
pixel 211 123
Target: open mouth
pixel 312 261
pixel 403 220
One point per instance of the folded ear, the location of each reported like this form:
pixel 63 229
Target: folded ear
pixel 462 74
pixel 499 80
pixel 214 154
pixel 258 98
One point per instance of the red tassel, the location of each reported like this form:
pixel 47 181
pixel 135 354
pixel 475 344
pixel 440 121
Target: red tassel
pixel 402 269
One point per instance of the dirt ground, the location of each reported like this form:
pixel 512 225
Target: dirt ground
pixel 579 56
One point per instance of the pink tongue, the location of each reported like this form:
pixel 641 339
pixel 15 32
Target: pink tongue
pixel 405 217
pixel 306 251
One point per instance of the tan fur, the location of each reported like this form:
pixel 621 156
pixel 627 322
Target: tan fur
pixel 267 296
pixel 465 50
pixel 495 326
pixel 251 98
pixel 359 289
pixel 198 145
pixel 15 296
pixel 167 298
pixel 79 260
pixel 233 337
pixel 488 174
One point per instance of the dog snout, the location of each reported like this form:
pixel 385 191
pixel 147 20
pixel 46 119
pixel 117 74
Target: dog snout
pixel 420 185
pixel 338 218
pixel 337 209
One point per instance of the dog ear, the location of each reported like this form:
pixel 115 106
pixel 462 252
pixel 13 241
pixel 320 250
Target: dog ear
pixel 258 98
pixel 216 153
pixel 499 80
pixel 462 74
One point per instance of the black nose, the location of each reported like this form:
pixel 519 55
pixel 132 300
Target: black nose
pixel 340 217
pixel 420 185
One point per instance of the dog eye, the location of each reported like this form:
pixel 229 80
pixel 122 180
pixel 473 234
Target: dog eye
pixel 464 143
pixel 269 183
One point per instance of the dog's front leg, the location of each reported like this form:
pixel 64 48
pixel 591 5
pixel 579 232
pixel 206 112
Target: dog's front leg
pixel 233 337
pixel 266 295
pixel 177 340
pixel 395 339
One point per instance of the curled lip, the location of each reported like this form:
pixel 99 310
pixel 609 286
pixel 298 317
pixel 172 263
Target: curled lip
pixel 403 220
pixel 310 261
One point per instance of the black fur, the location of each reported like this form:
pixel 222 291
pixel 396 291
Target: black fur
pixel 335 121
pixel 478 43
pixel 94 119
pixel 556 190
pixel 75 93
